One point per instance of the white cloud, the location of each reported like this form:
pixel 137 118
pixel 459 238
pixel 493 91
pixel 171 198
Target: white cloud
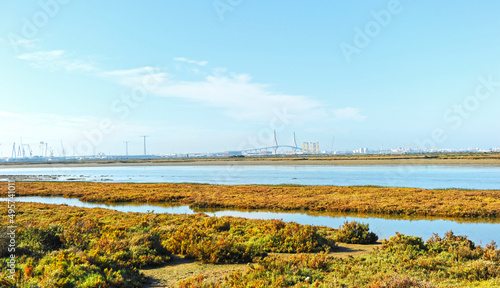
pixel 56 60
pixel 236 94
pixel 42 56
pixel 182 59
pixel 348 113
pixel 23 43
pixel 144 76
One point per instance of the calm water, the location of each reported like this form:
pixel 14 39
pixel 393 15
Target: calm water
pixel 432 176
pixel 480 233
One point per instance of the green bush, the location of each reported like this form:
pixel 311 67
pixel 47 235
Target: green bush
pixel 355 233
pixel 463 248
pixel 402 243
pixel 72 268
pixel 40 240
pixel 218 240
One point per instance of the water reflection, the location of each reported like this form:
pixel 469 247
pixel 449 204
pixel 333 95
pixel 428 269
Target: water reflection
pixel 481 231
pixel 129 207
pixel 351 214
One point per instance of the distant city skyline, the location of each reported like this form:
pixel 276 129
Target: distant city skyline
pixel 198 77
pixel 36 151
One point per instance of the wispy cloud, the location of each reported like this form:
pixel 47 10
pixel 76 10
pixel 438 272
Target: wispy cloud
pixel 57 60
pixel 137 77
pixel 23 43
pixel 182 59
pixel 236 94
pixel 348 113
pixel 42 56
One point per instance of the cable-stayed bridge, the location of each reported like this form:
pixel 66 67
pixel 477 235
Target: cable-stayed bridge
pixel 275 146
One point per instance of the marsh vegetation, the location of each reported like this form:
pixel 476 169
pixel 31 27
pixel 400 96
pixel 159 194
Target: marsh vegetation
pixel 62 246
pixel 358 199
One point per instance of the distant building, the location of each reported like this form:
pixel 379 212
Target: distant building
pixel 310 148
pixel 315 148
pixel 305 147
pixel 232 153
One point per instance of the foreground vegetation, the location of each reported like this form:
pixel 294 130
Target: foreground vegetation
pixel 365 199
pixel 61 246
pixel 402 261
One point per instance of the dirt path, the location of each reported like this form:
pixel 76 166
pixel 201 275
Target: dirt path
pixel 181 268
pixel 353 250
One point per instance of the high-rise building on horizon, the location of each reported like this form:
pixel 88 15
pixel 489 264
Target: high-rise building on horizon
pixel 310 148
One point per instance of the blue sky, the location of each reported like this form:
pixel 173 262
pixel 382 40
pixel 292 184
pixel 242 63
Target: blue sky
pixel 199 76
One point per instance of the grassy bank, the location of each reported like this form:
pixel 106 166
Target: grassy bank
pixel 379 200
pixel 61 246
